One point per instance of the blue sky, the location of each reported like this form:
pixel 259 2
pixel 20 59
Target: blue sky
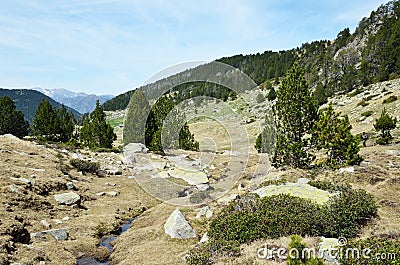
pixel 111 46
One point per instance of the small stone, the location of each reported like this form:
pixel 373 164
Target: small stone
pixel 204 238
pixel 70 186
pixel 112 193
pixel 101 193
pixel 66 218
pixel 205 211
pixel 45 224
pixel 57 221
pixel 14 188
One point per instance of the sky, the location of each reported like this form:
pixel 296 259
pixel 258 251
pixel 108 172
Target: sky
pixel 112 46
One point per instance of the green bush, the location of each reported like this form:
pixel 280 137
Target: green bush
pixel 367 113
pixel 390 99
pixel 200 255
pixel 329 186
pixel 362 103
pixel 382 251
pixel 84 166
pixel 347 212
pixel 249 218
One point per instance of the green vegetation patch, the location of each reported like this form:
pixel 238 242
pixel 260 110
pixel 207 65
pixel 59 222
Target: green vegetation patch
pixel 390 99
pixel 116 122
pixel 249 218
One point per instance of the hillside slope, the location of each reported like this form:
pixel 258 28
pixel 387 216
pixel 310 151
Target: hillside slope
pixel 27 101
pixel 370 54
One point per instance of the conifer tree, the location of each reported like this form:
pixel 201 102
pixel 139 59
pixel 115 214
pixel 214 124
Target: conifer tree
pixel 96 131
pixel 12 120
pixel 155 141
pixel 65 124
pixel 135 122
pixel 333 133
pixel 295 112
pixel 45 121
pixel 385 124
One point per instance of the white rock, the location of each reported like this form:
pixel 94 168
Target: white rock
pixel 68 198
pixel 176 226
pixel 191 177
pixel 135 148
pixel 393 152
pixel 45 224
pixel 302 181
pixel 205 211
pixel 112 193
pixel 346 169
pixel 204 238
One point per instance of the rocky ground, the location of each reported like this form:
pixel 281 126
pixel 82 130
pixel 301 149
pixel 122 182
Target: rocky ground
pixel 53 214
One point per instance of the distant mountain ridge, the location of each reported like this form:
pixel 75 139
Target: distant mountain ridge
pixel 79 101
pixel 27 101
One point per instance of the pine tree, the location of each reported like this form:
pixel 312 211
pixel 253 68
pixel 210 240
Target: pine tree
pixel 271 94
pixel 333 133
pixel 296 112
pixel 96 132
pixel 45 121
pixel 385 124
pixel 12 120
pixel 65 124
pixel 157 139
pixel 266 140
pixel 135 122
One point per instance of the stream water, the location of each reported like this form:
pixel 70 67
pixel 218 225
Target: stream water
pixel 105 241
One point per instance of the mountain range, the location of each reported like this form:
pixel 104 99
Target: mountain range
pixel 27 101
pixel 80 101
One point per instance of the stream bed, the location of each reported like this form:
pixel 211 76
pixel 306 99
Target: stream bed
pixel 105 241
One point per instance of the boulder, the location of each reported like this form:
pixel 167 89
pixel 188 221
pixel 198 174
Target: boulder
pixel 58 234
pixel 191 177
pixel 136 148
pixel 177 226
pixel 68 198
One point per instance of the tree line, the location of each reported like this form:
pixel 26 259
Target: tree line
pixel 51 124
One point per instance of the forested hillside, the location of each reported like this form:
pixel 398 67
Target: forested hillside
pixel 27 101
pixel 368 55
